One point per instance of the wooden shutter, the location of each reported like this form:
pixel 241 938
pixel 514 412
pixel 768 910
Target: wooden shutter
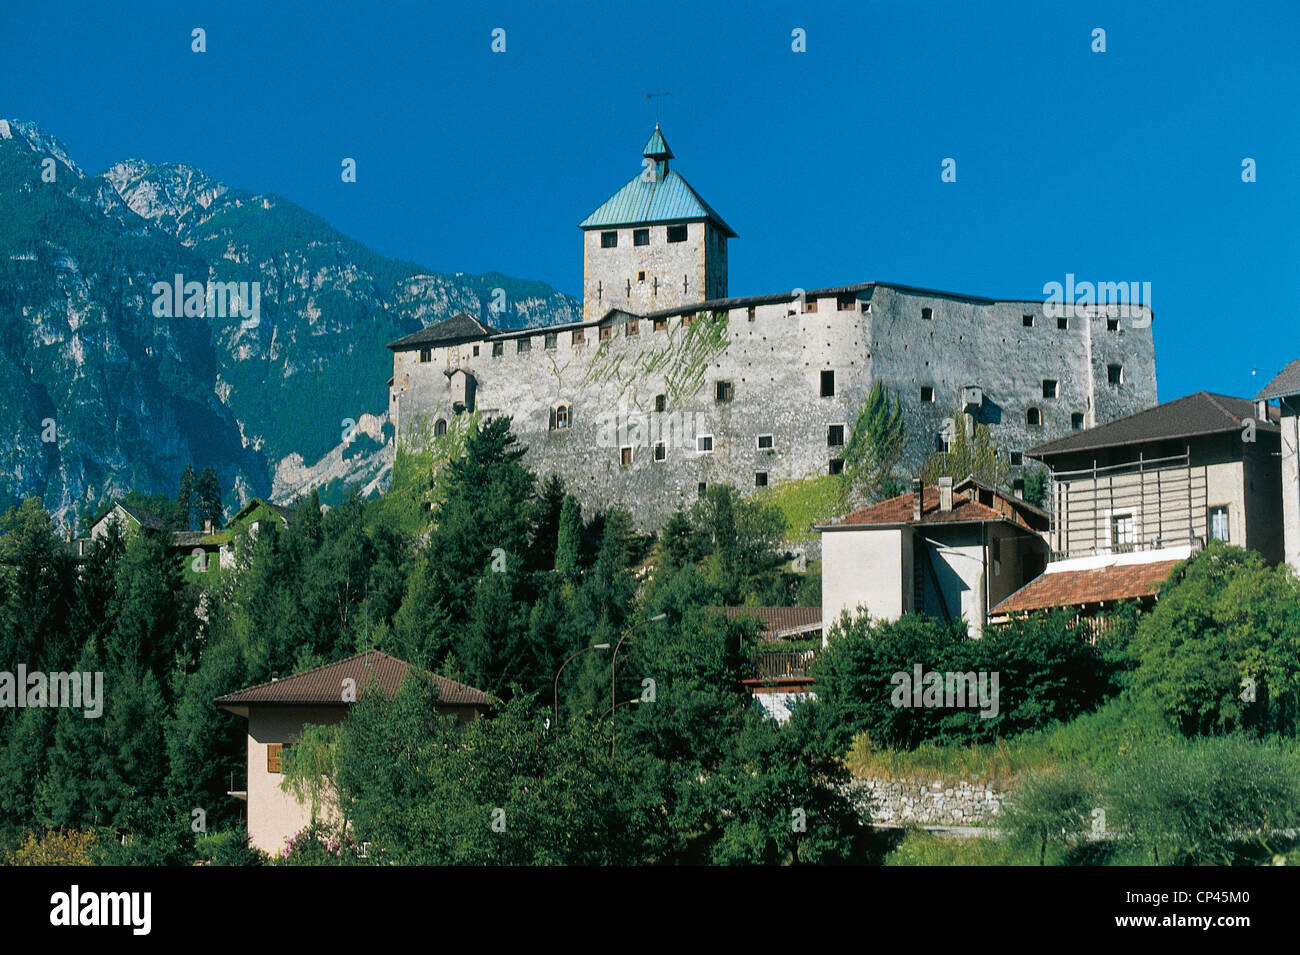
pixel 273 757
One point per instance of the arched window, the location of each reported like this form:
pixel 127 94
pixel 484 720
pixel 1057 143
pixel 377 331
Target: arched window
pixel 1033 416
pixel 560 417
pixel 439 428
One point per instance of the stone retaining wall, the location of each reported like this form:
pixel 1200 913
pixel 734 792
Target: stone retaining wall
pixel 923 802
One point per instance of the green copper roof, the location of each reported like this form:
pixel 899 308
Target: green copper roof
pixel 657 147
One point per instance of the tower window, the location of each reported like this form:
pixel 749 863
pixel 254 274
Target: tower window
pixel 1033 417
pixel 846 303
pixel 927 314
pixel 661 324
pixel 835 436
pixel 1049 387
pixel 837 466
pixel 523 344
pixel 810 306
pixel 426 355
pixel 661 402
pixel 1027 321
pixel 549 341
pixel 724 391
pixel 640 276
pixel 608 240
pixel 498 349
pixel 631 328
pixel 1063 323
pixel 640 236
pixel 688 319
pixel 661 452
pixel 1112 324
pixel 1076 421
pixel 560 417
pixel 1017 458
pixel 828 384
pixel 750 312
pixel 704 443
pixel 604 333
pixel 579 337
pixel 625 457
pixel 760 479
pixel 475 351
pixel 440 427
pixel 1115 374
pixel 765 442
pixel 927 394
pixel 677 233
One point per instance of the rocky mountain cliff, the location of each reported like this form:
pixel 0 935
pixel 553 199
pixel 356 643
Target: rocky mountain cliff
pixel 277 378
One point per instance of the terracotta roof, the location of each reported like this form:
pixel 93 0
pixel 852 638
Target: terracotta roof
pixel 1198 414
pixel 898 510
pixel 461 327
pixel 1285 383
pixel 1073 588
pixel 323 686
pixel 779 620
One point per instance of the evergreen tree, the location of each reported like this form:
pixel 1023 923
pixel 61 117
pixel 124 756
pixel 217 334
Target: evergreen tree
pixel 568 547
pixel 186 499
pixel 207 498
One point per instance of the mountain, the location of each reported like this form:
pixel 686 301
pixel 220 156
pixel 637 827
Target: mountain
pixel 112 386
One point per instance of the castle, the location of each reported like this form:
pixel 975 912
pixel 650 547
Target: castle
pixel 668 386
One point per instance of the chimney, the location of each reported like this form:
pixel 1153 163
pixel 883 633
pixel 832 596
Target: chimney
pixel 945 494
pixel 918 496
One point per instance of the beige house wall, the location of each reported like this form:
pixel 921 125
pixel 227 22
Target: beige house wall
pixel 869 569
pixel 275 816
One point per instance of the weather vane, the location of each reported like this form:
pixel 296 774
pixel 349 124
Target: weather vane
pixel 658 98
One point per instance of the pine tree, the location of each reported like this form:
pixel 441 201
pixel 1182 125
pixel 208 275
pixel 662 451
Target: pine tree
pixel 568 547
pixel 186 502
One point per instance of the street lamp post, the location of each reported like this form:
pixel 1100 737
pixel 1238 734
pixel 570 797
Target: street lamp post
pixel 614 664
pixel 572 656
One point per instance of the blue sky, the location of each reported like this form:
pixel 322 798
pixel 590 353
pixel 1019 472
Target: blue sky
pixel 1115 166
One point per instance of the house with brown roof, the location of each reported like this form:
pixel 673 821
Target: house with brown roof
pixel 780 677
pixel 1285 390
pixel 278 710
pixel 1133 497
pixel 943 550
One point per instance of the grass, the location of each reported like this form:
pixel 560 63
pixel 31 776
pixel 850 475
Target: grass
pixel 805 502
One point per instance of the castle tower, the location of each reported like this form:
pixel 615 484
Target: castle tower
pixel 654 244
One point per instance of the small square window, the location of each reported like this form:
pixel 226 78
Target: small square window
pixel 550 339
pixel 640 276
pixel 1115 374
pixel 523 344
pixel 1076 421
pixel 660 324
pixel 677 233
pixel 810 306
pixel 1027 321
pixel 661 452
pixel 1112 324
pixel 1063 323
pixel 927 314
pixel 760 479
pixel 631 328
pixel 579 337
pixel 835 436
pixel 498 349
pixel 608 240
pixel 702 488
pixel 927 394
pixel 625 457
pixel 1049 387
pixel 426 354
pixel 640 236
pixel 1017 458
pixel 723 391
pixel 604 333
pixel 475 351
pixel 837 466
pixel 846 303
pixel 765 442
pixel 751 312
pixel 1033 417
pixel 661 402
pixel 688 320
pixel 704 444
pixel 828 384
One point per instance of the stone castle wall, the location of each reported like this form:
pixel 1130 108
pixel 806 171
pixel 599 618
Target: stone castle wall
pixel 773 355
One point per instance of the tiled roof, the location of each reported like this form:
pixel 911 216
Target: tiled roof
pixel 779 620
pixel 898 510
pixel 323 686
pixel 142 517
pixel 451 331
pixel 1074 588
pixel 1197 414
pixel 288 513
pixel 670 199
pixel 1285 382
